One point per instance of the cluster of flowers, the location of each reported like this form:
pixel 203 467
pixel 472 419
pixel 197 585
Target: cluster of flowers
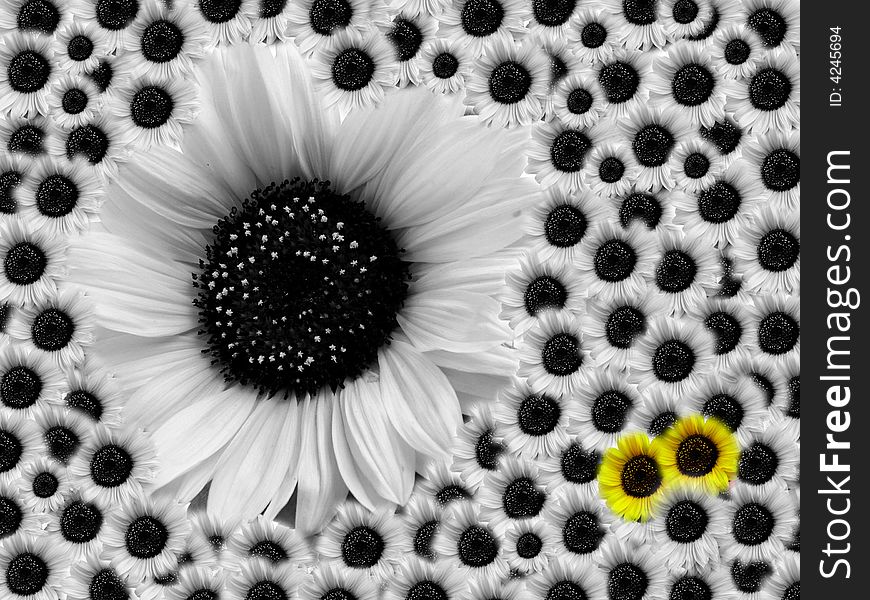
pixel 659 279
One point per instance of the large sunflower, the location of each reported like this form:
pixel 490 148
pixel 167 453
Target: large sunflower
pixel 278 333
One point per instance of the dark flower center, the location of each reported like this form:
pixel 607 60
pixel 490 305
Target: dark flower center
pixel 652 145
pixel 752 524
pixel 509 82
pixel 481 18
pixel 769 89
pixel 697 456
pixel 726 409
pixel 684 11
pixel 726 329
pixel 146 537
pixel 640 12
pixel 566 590
pixel 627 582
pixel 686 522
pixel 781 170
pixel 269 550
pixel 778 333
pixel 269 9
pixel 85 402
pixel 610 410
pixel 641 477
pixel 20 387
pixel 445 65
pixel 44 485
pixel 406 37
pixel 451 492
pixel 426 590
pixel 10 451
pixel 477 546
pixel 676 271
pixel 111 466
pixel 338 594
pixel 582 532
pixel 593 35
pixel 423 539
pixel 10 516
pixel 719 203
pixel 661 423
pixel 673 361
pixel 758 464
pixel 162 41
pixel 640 207
pixel 792 592
pixel 565 226
pixel 52 330
pixel 62 442
pixel 266 590
pixel 529 545
pixel 614 261
pixel 561 354
pixel 690 588
pixel 544 292
pixel 89 141
pixel 578 465
pixel 778 250
pixel 696 165
pixel 724 135
pixel 611 169
pixel 307 301
pixel 769 25
pixel 692 85
pixel 579 102
pixel 80 48
pixel 794 397
pixel 538 415
pixel 115 15
pixel 26 574
pixel 151 107
pixel 553 13
pixel 619 80
pixel 9 180
pixel 352 69
pixel 80 522
pixel 487 451
pixel 27 139
pixel 521 499
pixel 737 52
pixel 38 15
pixel 28 71
pixel 729 285
pixel 623 325
pixel 219 11
pixel 748 577
pixel 74 101
pixel 328 15
pixel 362 547
pixel 24 263
pixel 102 75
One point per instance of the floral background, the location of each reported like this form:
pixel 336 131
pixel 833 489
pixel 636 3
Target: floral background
pixel 427 299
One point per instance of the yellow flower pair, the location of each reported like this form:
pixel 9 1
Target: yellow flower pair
pixel 695 451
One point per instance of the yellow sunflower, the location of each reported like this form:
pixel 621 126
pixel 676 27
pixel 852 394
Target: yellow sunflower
pixel 630 478
pixel 700 451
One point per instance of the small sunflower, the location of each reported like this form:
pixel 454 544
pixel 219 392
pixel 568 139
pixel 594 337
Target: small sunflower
pixel 699 450
pixel 630 478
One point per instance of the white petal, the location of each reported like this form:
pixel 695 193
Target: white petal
pixel 452 321
pixel 290 444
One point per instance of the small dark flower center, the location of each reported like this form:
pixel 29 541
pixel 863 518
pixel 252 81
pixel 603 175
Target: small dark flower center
pixel 52 329
pixel 781 170
pixel 619 80
pixel 623 325
pixel 726 329
pixel 758 464
pixel 362 547
pixel 352 69
pixel 20 387
pixel 445 65
pixel 769 89
pixel 610 410
pixel 529 545
pixel 724 135
pixel 578 465
pixel 661 423
pixel 611 169
pixel 487 451
pixel 565 226
pixel 641 477
pixel 28 71
pixel 627 581
pixel 27 139
pixel 582 532
pixel 614 261
pixel 561 354
pixel 769 25
pixel 74 101
pixel 146 537
pixel 481 18
pixel 673 361
pixel 115 15
pixel 151 107
pixel 102 75
pixel 737 52
pixel 792 592
pixel 406 37
pixel 86 402
pixel 9 180
pixel 38 15
pixel 553 13
pixel 477 546
pixel 269 9
pixel 748 577
pixel 328 15
pixel 726 409
pixel 752 524
pixel 794 397
pixel 778 333
pixel 579 102
pixel 10 451
pixel 80 48
pixel 684 11
pixel 690 588
pixel 44 485
pixel 162 41
pixel 522 498
pixel 26 574
pixel 686 522
pixel 269 550
pixel 538 415
pixel 778 250
pixel 423 539
pixel 266 590
pixel 88 141
pixel 10 516
pixel 645 208
pixel 696 165
pixel 640 12
pixel 24 263
pixel 451 492
pixel 544 292
pixel 566 590
pixel 593 35
pixel 426 590
pixel 111 466
pixel 652 145
pixel 692 85
pixel 719 203
pixel 219 11
pixel 676 271
pixel 509 82
pixel 80 522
